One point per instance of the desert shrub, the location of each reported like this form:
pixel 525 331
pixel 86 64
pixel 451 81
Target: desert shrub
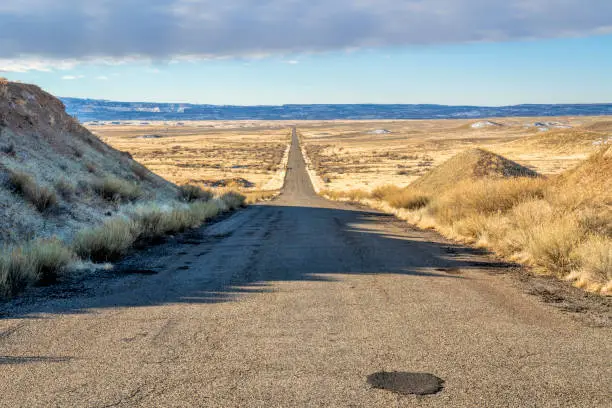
pixel 37 261
pixel 233 199
pixel 41 197
pixel 91 167
pixel 116 189
pixel 594 255
pixel 16 271
pixel 65 188
pixel 408 199
pixel 107 242
pixel 50 257
pixel 485 197
pixel 382 192
pixel 202 211
pixel 190 193
pixel 552 245
pixel 154 222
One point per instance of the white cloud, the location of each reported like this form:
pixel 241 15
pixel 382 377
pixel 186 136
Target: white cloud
pixel 72 77
pixel 102 78
pixel 44 32
pixel 292 62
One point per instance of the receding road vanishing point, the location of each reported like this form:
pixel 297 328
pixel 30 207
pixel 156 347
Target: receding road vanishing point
pixel 298 302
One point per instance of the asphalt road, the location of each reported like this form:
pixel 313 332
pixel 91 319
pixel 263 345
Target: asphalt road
pixel 295 302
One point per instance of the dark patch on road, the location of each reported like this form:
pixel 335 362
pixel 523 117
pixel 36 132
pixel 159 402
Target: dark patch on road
pixel 182 268
pixel 139 272
pixel 406 383
pixel 32 359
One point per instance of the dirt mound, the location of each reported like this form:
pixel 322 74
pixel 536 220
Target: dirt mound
pixel 471 164
pixel 45 154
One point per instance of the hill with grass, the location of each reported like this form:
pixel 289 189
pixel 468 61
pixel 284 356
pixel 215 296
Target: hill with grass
pixel 66 197
pixel 471 164
pixel 56 175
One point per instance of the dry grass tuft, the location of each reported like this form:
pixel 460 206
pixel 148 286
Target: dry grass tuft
pixel 113 239
pixel 190 193
pixel 115 189
pixel 396 197
pixel 65 188
pixel 41 197
pixel 37 261
pixel 561 226
pixel 107 242
pixel 233 200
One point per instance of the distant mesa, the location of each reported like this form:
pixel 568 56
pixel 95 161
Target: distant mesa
pixel 485 124
pixel 379 132
pixel 469 165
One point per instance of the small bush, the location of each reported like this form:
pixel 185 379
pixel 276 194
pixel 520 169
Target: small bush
pixel 202 211
pixel 552 246
pixel 408 199
pixel 91 167
pixel 233 200
pixel 115 189
pixel 382 192
pixel 191 193
pixel 50 257
pixel 41 197
pixel 17 270
pixel 65 188
pixel 37 261
pixel 108 242
pixel 595 258
pixel 486 196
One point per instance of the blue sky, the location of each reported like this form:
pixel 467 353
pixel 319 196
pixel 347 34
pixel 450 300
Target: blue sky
pixel 339 51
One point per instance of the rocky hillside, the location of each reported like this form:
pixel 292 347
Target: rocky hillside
pixel 55 176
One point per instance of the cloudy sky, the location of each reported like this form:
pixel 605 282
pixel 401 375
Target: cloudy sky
pixel 491 52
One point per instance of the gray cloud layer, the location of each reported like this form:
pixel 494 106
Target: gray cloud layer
pixel 77 29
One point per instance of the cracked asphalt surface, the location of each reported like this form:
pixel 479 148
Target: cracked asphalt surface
pixel 294 302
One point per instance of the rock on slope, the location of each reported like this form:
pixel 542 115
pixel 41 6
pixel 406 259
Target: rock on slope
pixel 471 164
pixel 50 153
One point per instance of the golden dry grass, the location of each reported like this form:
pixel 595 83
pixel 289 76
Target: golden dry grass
pixel 238 155
pixel 348 156
pixel 560 225
pixel 40 196
pixel 36 261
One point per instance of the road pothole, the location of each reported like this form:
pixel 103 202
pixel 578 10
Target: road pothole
pixel 406 383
